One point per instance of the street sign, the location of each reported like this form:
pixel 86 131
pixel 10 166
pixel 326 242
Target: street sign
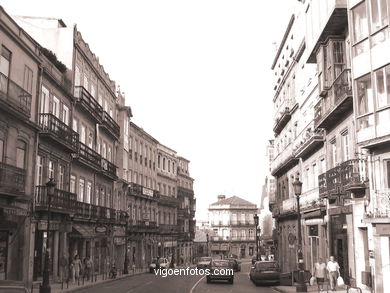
pixel 101 229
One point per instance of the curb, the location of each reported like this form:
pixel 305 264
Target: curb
pixel 77 289
pixel 278 289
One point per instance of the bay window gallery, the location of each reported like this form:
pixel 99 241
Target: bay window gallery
pixel 373 104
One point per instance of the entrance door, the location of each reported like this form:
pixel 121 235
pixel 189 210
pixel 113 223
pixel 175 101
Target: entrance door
pixel 341 255
pixel 3 254
pixel 242 252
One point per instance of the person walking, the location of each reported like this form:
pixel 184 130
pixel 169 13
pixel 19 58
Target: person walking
pixel 76 268
pixel 63 268
pixel 88 267
pixel 320 273
pixel 334 271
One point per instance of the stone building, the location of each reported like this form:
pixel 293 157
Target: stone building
pixel 231 220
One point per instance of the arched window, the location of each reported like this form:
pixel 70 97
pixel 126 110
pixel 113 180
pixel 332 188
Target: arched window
pixel 163 163
pixel 169 165
pixel 158 161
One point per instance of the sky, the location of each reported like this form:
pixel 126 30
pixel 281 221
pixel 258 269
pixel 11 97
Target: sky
pixel 197 75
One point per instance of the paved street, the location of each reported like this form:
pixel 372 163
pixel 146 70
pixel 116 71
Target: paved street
pixel 145 283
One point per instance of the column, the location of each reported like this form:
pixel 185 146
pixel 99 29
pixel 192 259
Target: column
pixel 55 255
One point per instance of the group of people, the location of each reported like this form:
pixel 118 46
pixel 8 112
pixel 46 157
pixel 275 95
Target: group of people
pixel 323 270
pixel 77 268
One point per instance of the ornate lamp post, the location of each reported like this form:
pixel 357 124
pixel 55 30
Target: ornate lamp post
pixel 126 264
pixel 45 287
pixel 256 218
pixel 207 239
pixel 301 287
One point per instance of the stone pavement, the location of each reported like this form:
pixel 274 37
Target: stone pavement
pixel 99 279
pixel 341 289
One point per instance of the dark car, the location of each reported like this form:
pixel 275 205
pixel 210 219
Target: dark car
pixel 203 262
pixel 13 287
pixel 264 272
pixel 236 264
pixel 221 270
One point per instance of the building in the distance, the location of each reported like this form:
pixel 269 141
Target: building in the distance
pixel 234 232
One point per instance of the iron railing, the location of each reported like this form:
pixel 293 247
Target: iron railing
pixel 60 200
pixel 110 123
pixel 12 179
pixel 380 206
pixel 108 167
pixel 15 96
pixel 50 124
pixel 90 155
pixel 85 99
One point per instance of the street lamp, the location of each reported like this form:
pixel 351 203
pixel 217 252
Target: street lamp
pixel 126 264
pixel 45 287
pixel 207 239
pixel 256 218
pixel 301 287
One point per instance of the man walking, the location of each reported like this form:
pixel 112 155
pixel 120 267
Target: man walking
pixel 334 271
pixel 320 273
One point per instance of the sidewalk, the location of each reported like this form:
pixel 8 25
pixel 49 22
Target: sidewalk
pixel 99 279
pixel 291 289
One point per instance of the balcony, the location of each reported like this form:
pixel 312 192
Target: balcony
pixel 332 108
pixel 168 229
pixel 282 120
pixel 85 210
pixel 283 161
pixel 14 98
pixel 110 125
pixel 88 103
pixel 142 226
pixel 232 239
pixel 12 180
pixel 141 191
pixel 62 201
pixel 183 213
pixel 308 141
pixel 379 208
pixel 109 169
pixel 339 182
pixel 59 132
pixel 168 201
pixel 89 157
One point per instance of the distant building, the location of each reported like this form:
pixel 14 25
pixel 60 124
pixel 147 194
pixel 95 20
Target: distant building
pixel 231 220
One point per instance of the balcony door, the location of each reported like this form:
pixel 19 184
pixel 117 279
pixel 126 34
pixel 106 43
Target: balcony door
pixel 56 107
pixel 5 59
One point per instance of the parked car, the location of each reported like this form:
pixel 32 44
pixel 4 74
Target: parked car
pixel 225 271
pixel 265 272
pixel 162 263
pixel 235 263
pixel 13 287
pixel 203 262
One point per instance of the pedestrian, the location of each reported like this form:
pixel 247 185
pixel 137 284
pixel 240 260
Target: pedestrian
pixel 88 267
pixel 334 271
pixel 76 268
pixel 320 273
pixel 63 267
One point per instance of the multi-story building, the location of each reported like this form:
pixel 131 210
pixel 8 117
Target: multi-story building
pixel 167 163
pixel 232 222
pixel 370 43
pixel 19 76
pixel 185 212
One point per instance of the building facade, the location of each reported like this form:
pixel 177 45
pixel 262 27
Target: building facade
pixel 234 232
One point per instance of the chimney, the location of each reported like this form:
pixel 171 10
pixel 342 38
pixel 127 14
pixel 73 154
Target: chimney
pixel 221 197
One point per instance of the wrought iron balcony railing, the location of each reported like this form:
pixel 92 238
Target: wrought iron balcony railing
pixel 88 102
pixel 62 133
pixel 380 205
pixel 108 168
pixel 340 181
pixel 169 200
pixel 90 156
pixel 330 109
pixel 110 124
pixel 61 200
pixel 308 141
pixel 12 180
pixel 15 96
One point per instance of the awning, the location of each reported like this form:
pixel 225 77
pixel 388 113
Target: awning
pixel 313 214
pixel 83 231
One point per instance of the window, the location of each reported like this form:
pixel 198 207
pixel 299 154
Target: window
pixel 90 139
pixel 65 114
pixel 89 192
pixel 109 154
pixel 80 194
pixel 97 196
pixel 72 183
pixel 86 83
pixel 75 125
pixel 27 79
pixel 158 161
pixel 360 25
pixel 382 82
pixel 51 169
pixel 5 60
pixel 163 163
pixel 334 153
pixel 61 177
pixel 387 172
pixel 169 165
pixel 379 17
pixel 82 133
pixel 104 150
pixel 345 141
pixel 56 107
pixel 364 95
pixel 44 100
pixel 39 174
pixel 93 91
pixel 21 148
